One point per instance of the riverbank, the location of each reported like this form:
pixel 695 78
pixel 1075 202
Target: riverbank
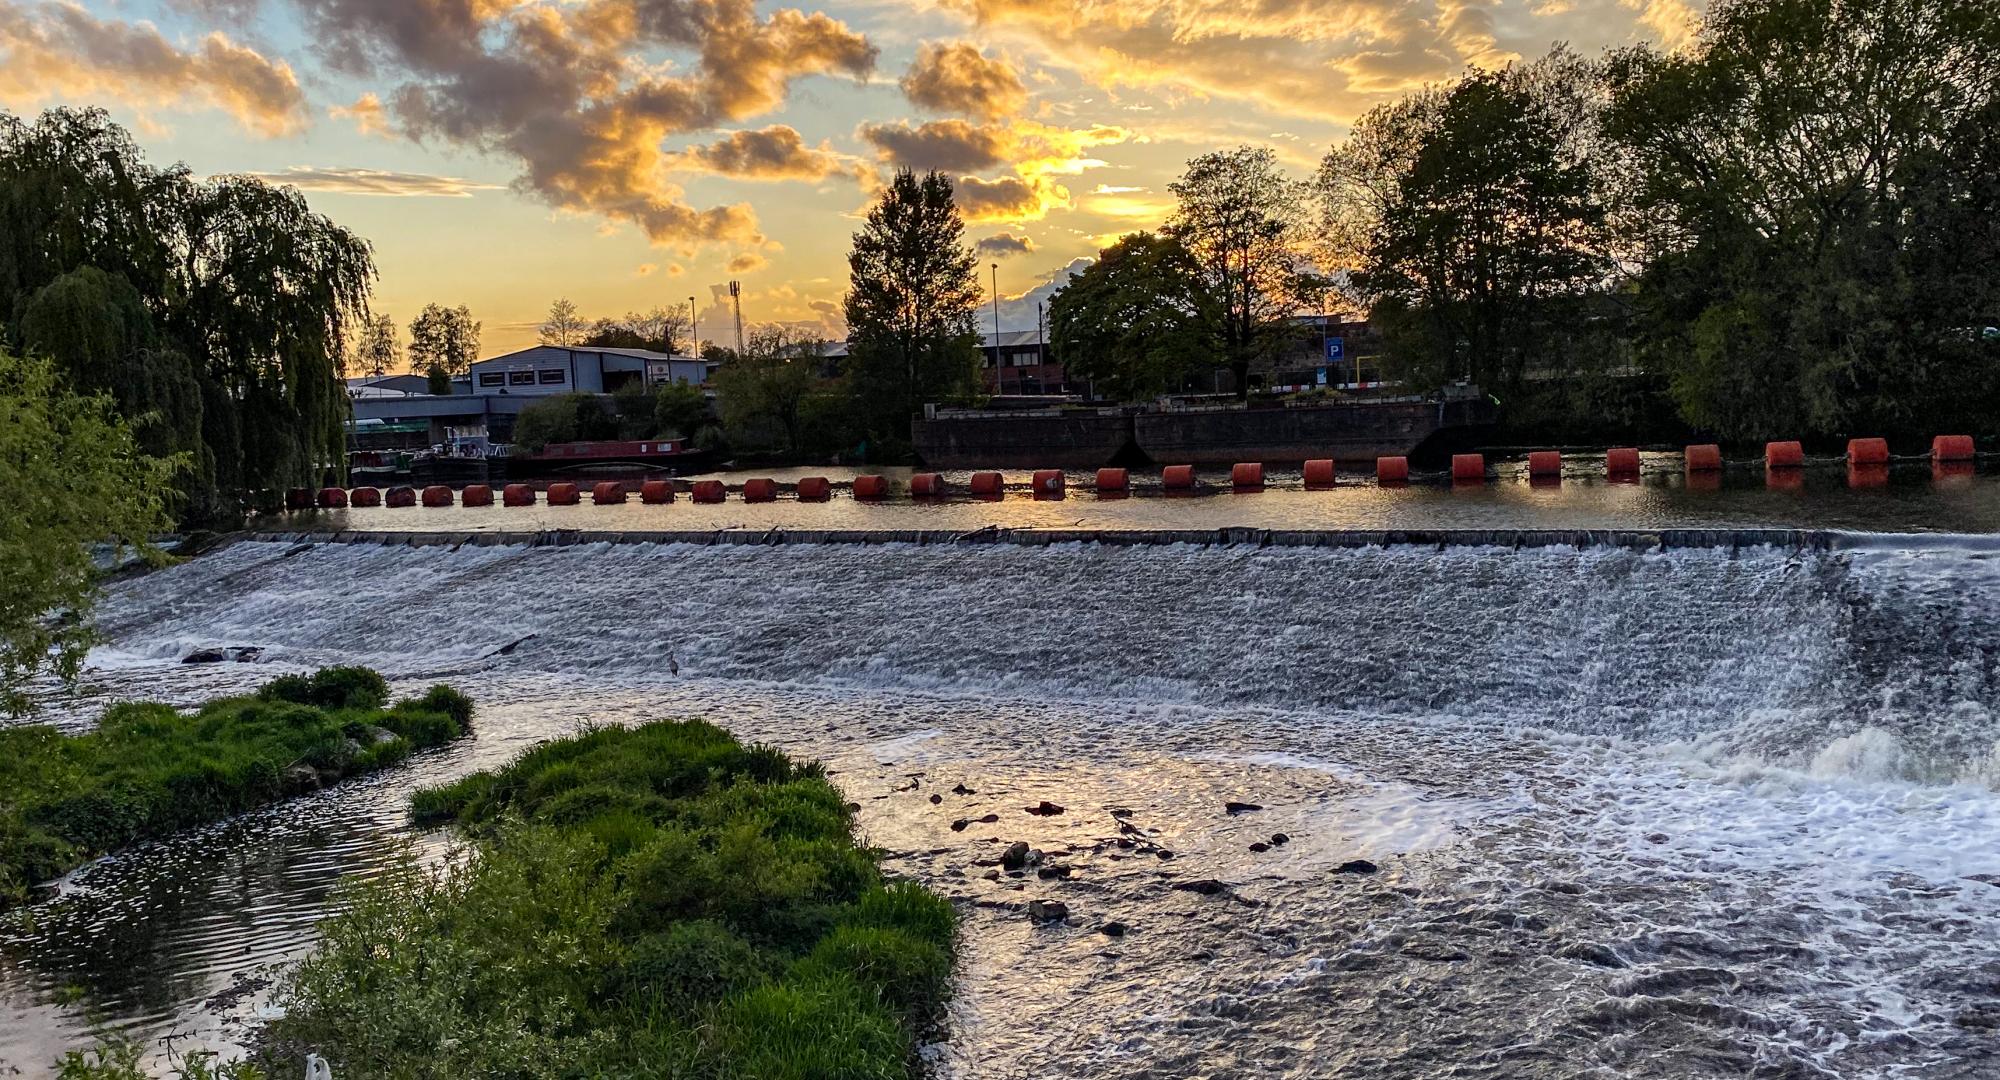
pixel 148 770
pixel 658 900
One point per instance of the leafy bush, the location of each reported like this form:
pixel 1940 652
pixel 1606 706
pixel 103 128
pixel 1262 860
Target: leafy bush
pixel 658 901
pixel 148 770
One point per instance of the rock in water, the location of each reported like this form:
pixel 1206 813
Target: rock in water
pixel 1240 807
pixel 1044 911
pixel 961 789
pixel 936 799
pixel 1260 846
pixel 204 656
pixel 1280 838
pixel 1356 866
pixel 1204 886
pixel 1113 928
pixel 1045 809
pixel 1016 855
pixel 959 825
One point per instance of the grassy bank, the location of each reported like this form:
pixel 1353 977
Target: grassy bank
pixel 147 770
pixel 655 902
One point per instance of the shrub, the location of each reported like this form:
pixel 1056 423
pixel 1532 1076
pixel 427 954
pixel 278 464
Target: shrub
pixel 659 901
pixel 148 770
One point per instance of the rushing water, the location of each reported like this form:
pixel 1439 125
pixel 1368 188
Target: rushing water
pixel 1678 814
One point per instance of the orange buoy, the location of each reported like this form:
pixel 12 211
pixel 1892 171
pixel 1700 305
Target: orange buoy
pixel 517 495
pixel 299 499
pixel 814 489
pixel 401 495
pixel 332 498
pixel 870 486
pixel 437 495
pixel 708 491
pixel 926 485
pixel 1545 463
pixel 476 495
pixel 365 496
pixel 1952 448
pixel 564 494
pixel 1247 476
pixel 1049 483
pixel 1783 455
pixel 1177 478
pixel 655 492
pixel 607 493
pixel 1320 473
pixel 1113 480
pixel 1867 451
pixel 1392 470
pixel 760 490
pixel 1622 462
pixel 1468 468
pixel 1707 457
pixel 984 485
pixel 1867 474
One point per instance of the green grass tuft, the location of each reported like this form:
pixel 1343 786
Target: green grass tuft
pixel 653 902
pixel 148 771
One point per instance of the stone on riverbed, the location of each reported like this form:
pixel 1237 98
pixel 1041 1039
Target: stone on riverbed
pixel 1045 911
pixel 1356 866
pixel 1016 855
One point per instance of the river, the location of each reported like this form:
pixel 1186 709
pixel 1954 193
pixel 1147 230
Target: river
pixel 1647 814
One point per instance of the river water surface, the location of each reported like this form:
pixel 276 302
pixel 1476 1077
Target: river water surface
pixel 1679 814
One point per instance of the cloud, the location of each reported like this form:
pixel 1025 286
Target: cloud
pixel 58 51
pixel 777 152
pixel 372 182
pixel 1290 56
pixel 1009 198
pixel 956 77
pixel 747 262
pixel 367 113
pixel 645 269
pixel 1001 245
pixel 944 145
pixel 568 91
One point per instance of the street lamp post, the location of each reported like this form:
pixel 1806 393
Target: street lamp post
pixel 999 370
pixel 694 331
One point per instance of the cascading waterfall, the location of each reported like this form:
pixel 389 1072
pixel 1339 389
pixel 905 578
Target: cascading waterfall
pixel 1634 813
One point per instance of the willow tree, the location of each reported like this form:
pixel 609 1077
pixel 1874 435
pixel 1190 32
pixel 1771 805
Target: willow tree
pixel 256 292
pixel 912 303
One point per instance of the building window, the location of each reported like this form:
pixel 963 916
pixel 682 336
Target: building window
pixel 552 376
pixel 492 378
pixel 520 378
pixel 1022 359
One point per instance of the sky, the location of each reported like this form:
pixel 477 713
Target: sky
pixel 628 154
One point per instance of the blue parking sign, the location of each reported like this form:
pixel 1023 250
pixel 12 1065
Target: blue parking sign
pixel 1336 349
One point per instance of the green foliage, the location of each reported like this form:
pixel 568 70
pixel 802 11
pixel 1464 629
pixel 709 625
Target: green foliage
pixel 656 901
pixel 75 477
pixel 1242 223
pixel 679 409
pixel 1812 189
pixel 659 330
pixel 147 770
pixel 911 306
pixel 443 342
pixel 124 1059
pixel 564 418
pixel 766 392
pixel 1137 322
pixel 257 295
pixel 1489 242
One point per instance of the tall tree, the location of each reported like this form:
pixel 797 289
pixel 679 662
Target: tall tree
pixel 257 292
pixel 1810 191
pixel 764 392
pixel 443 341
pixel 1136 323
pixel 562 325
pixel 1488 238
pixel 912 304
pixel 89 483
pixel 377 351
pixel 1242 221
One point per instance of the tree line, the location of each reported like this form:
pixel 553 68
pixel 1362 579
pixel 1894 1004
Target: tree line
pixel 1789 227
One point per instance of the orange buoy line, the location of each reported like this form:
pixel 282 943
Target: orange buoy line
pixel 1867 459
